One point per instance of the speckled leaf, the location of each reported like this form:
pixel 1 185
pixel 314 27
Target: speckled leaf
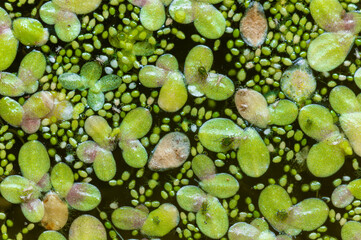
pixel 32 68
pixel 39 105
pixel 213 221
pixel 16 189
pixel 309 214
pixel 134 153
pixel 44 184
pixel 326 13
pixel 203 167
pixel 143 49
pixel 95 100
pixel 357 78
pixel 128 218
pixel 30 125
pixel 283 237
pixel 173 94
pixel 253 155
pixel 343 100
pixel 243 231
pixel 72 81
pixel 87 227
pixel 56 212
pixel 62 179
pixel 329 50
pixel 324 160
pixel 182 11
pixel 78 6
pixel 91 71
pixel 219 134
pixel 33 210
pixel 260 223
pixel 351 125
pixel 218 87
pixel 341 197
pixel 136 124
pixel 109 82
pixel 253 25
pixel 98 128
pixel 87 151
pixel 283 112
pixel 351 230
pixel 298 82
pixel 30 31
pixel 48 12
pixel 8 42
pixel 152 77
pixel 197 64
pixel 34 160
pixel 221 185
pixel 252 106
pixel 152 15
pixel 62 110
pixel 316 121
pixel 53 235
pixel 11 85
pixel 11 111
pixel 208 21
pixel 104 165
pixel 167 62
pixel 5 19
pixel 83 196
pixel 355 188
pixel 190 198
pixel 67 26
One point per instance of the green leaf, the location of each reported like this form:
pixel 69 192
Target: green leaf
pixel 351 230
pixel 152 15
pixel 95 100
pixel 218 87
pixel 78 6
pixel 283 112
pixel 167 62
pixel 182 11
pixel 343 100
pixel 87 227
pixel 243 231
pixel 109 82
pixel 83 196
pixel 8 42
pixel 326 13
pixel 53 235
pixel 17 189
pixel 87 151
pixel 33 210
pixel 221 185
pixel 161 221
pixel 203 167
pixel 355 188
pixel 91 71
pixel 67 26
pixel 11 111
pixel 152 77
pixel 104 165
pixel 190 198
pixel 39 105
pixel 98 128
pixel 342 197
pixel 30 31
pixel 134 153
pixel 11 85
pixel 72 81
pixel 48 13
pixel 197 64
pixel 128 218
pixel 351 126
pixel 34 160
pixel 136 124
pixel 62 179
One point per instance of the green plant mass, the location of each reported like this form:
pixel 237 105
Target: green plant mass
pixel 180 119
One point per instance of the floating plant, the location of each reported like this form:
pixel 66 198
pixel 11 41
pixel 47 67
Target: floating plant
pixel 8 42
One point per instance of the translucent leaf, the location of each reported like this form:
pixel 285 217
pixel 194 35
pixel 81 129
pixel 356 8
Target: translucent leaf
pixel 326 13
pixel 283 112
pixel 173 94
pixel 190 198
pixel 83 196
pixel 309 214
pixel 128 218
pixel 298 82
pixel 62 179
pixel 324 160
pixel 182 11
pixel 48 13
pixel 30 31
pixel 221 185
pixel 136 124
pixel 98 128
pixel 53 235
pixel 203 167
pixel 39 105
pixel 212 219
pixel 219 134
pixel 33 210
pixel 218 87
pixel 329 50
pixel 78 6
pixel 254 25
pixel 62 110
pixel 208 21
pixel 252 106
pixel 87 227
pixel 355 188
pixel 152 15
pixel 91 71
pixel 253 155
pixel 11 85
pixel 171 152
pixel 260 223
pixel 351 126
pixel 87 151
pixel 16 188
pixel 343 100
pixel 167 62
pixel 161 221
pixel 67 26
pixel 197 64
pixel 72 81
pixel 95 100
pixel 341 197
pixel 32 68
pixel 11 111
pixel 109 82
pixel 8 44
pixel 34 160
pixel 267 235
pixel 316 121
pixel 104 165
pixel 56 212
pixel 351 230
pixel 243 231
pixel 134 153
pixel 152 77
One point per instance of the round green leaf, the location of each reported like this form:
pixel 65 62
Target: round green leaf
pixel 87 227
pixel 203 167
pixel 104 165
pixel 48 12
pixel 91 71
pixel 62 179
pixel 152 77
pixel 136 124
pixel 71 81
pixel 134 153
pixel 11 85
pixel 221 185
pixel 343 100
pixel 17 189
pixel 326 13
pixel 243 231
pixel 190 198
pixel 78 6
pixel 109 83
pixel 167 62
pixel 283 112
pixel 67 26
pixel 8 42
pixel 128 218
pixel 182 11
pixel 39 105
pixel 197 64
pixel 351 230
pixel 218 87
pixel 351 125
pixel 152 15
pixel 30 31
pixel 83 196
pixel 33 210
pixel 95 100
pixel 341 197
pixel 53 235
pixel 11 111
pixel 355 188
pixel 98 128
